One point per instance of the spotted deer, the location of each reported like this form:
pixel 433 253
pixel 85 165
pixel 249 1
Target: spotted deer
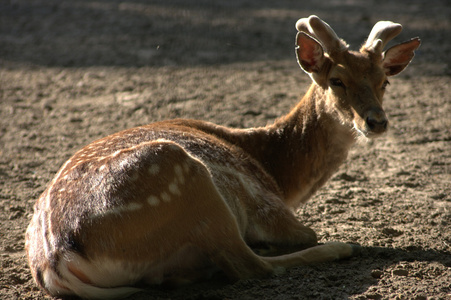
pixel 174 201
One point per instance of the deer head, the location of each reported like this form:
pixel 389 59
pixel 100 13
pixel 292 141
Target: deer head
pixel 353 82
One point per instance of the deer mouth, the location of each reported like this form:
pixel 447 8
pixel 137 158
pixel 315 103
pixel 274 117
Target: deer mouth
pixel 377 126
pixel 372 123
pixel 371 129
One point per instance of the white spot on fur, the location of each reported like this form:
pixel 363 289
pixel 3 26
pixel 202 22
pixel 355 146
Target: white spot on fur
pixel 179 172
pixel 102 167
pixel 174 188
pixel 61 171
pixel 125 208
pixel 185 167
pixel 101 158
pixel 153 200
pixel 119 210
pixel 134 177
pixel 133 206
pixel 165 197
pixel 154 169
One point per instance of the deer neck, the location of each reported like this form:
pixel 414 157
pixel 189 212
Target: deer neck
pixel 302 149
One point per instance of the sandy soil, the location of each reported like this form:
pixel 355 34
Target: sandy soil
pixel 75 71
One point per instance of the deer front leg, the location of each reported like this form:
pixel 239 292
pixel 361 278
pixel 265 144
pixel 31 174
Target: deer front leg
pixel 274 230
pixel 289 243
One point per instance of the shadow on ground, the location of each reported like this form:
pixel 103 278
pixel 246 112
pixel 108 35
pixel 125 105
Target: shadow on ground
pixel 340 280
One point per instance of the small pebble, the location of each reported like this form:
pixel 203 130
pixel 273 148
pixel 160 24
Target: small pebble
pixel 400 272
pixel 377 274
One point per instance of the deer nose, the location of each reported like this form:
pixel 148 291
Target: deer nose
pixel 377 121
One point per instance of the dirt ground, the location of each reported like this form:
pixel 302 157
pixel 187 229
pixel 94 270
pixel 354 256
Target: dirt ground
pixel 75 71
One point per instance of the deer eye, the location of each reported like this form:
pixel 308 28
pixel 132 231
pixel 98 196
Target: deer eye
pixel 337 82
pixel 384 85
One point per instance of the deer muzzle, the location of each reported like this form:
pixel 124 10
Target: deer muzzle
pixel 376 121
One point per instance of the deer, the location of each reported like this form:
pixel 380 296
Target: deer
pixel 175 201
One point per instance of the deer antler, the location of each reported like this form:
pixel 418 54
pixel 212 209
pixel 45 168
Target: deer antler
pixel 320 30
pixel 380 35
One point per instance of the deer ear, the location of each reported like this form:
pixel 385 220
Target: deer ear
pixel 309 53
pixel 398 57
